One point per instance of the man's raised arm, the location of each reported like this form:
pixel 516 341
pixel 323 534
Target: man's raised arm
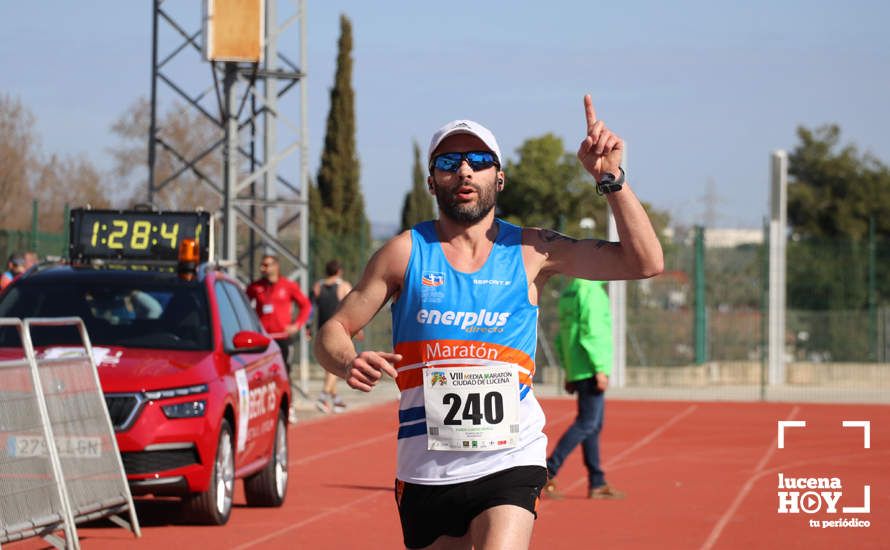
pixel 638 254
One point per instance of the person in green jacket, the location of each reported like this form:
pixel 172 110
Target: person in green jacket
pixel 584 347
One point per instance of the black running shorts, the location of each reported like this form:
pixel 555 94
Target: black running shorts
pixel 430 511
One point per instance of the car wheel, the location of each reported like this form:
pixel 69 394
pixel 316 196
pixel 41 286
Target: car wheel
pixel 269 486
pixel 214 506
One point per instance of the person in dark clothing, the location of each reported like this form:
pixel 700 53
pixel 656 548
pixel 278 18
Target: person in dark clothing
pixel 327 294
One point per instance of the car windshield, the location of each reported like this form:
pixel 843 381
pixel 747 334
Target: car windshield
pixel 151 315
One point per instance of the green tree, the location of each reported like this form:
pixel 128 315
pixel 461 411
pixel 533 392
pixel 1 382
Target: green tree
pixel 833 190
pixel 418 205
pixel 834 194
pixel 339 227
pixel 548 187
pixel 322 246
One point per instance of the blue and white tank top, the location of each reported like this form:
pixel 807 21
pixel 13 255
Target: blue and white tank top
pixel 472 318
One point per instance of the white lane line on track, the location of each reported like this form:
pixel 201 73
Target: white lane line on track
pixel 746 488
pixel 652 435
pixel 645 440
pixel 316 517
pixel 342 448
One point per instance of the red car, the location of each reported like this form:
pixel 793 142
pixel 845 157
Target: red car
pixel 197 392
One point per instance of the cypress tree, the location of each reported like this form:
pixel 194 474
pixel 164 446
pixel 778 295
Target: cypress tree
pixel 418 204
pixel 341 228
pixel 319 240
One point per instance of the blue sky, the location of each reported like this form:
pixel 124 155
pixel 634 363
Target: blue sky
pixel 701 91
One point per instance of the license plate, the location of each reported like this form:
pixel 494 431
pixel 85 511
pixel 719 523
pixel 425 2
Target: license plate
pixel 69 446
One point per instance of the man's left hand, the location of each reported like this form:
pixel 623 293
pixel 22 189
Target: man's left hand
pixel 601 150
pixel 292 329
pixel 602 381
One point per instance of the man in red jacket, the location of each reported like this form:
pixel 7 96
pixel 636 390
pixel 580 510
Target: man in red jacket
pixel 273 295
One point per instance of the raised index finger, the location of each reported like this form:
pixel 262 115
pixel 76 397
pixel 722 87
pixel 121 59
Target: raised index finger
pixel 590 112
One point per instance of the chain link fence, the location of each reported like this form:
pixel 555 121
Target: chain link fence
pixel 837 338
pixel 18 242
pixel 837 345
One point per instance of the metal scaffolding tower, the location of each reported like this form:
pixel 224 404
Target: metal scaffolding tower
pixel 262 187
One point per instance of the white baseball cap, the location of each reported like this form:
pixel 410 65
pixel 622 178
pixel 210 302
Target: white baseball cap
pixel 465 127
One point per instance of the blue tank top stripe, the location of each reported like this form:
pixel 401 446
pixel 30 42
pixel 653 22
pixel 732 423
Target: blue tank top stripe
pixel 412 414
pixel 412 430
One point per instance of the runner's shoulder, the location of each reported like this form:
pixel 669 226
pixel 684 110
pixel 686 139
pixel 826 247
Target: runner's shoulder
pixel 398 246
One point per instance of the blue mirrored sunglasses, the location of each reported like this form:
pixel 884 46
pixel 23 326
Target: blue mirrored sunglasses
pixel 478 160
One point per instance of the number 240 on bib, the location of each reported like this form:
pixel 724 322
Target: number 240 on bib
pixel 471 408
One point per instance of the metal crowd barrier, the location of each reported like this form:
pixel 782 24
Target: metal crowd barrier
pixel 44 488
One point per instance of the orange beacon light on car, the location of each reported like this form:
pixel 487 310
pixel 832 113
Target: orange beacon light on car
pixel 189 256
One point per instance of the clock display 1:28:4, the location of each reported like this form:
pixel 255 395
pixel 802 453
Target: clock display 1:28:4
pixel 136 236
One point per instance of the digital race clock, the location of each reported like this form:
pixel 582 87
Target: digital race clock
pixel 135 235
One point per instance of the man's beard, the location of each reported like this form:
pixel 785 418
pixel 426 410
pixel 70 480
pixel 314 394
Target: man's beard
pixel 466 213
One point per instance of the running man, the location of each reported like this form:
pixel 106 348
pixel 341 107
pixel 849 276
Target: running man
pixel 327 294
pixel 465 288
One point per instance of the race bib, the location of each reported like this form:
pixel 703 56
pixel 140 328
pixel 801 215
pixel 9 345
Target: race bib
pixel 471 408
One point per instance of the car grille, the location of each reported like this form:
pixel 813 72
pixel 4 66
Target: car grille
pixel 146 462
pixel 123 408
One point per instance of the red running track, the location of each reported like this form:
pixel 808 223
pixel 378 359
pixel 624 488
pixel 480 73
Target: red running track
pixel 697 475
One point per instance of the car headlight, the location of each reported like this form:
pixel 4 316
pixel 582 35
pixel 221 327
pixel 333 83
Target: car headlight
pixel 189 409
pixel 176 392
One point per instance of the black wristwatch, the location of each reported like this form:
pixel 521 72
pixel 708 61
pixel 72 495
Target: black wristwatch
pixel 608 183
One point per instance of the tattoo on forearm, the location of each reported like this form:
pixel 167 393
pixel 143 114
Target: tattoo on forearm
pixel 550 236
